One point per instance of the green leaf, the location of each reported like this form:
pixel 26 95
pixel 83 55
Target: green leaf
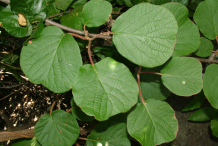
pixel 139 1
pixel 214 127
pixel 153 123
pixel 195 103
pixel 128 3
pixel 26 142
pixel 33 10
pixel 79 114
pixel 145 34
pixel 104 51
pixel 105 89
pixel 203 114
pixel 63 5
pixel 48 60
pixel 210 84
pixel 58 129
pixel 73 19
pixel 205 48
pixel 51 8
pixel 109 133
pixel 159 2
pixel 79 2
pixel 183 76
pixel 184 2
pixel 120 2
pixel 154 90
pixel 96 13
pixel 188 37
pixel 206 17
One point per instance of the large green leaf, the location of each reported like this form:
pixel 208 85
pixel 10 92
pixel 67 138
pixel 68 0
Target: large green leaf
pixel 11 25
pixel 105 89
pixel 145 34
pixel 34 10
pixel 203 114
pixel 73 19
pixel 152 123
pixel 53 60
pixel 214 127
pixel 210 84
pixel 108 133
pixel 206 17
pixel 96 13
pixel 26 142
pixel 188 37
pixel 58 129
pixel 205 48
pixel 183 76
pixel 63 4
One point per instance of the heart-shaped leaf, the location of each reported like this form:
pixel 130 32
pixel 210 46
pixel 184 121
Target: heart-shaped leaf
pixel 205 48
pixel 58 129
pixel 145 34
pixel 152 123
pixel 188 37
pixel 109 133
pixel 183 76
pixel 105 89
pixel 53 60
pixel 210 84
pixel 206 17
pixel 96 12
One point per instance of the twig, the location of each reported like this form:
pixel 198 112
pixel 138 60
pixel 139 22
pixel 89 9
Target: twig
pixel 5 118
pixel 149 72
pixel 89 52
pixel 5 1
pixel 69 110
pixel 52 106
pixel 10 66
pixel 11 94
pixel 59 14
pixel 76 35
pixel 140 92
pixel 81 138
pixel 9 87
pixel 206 60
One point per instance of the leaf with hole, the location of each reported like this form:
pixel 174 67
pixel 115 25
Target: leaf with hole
pixel 105 89
pixel 53 59
pixel 152 123
pixel 58 129
pixel 206 17
pixel 210 84
pixel 188 37
pixel 96 12
pixel 145 34
pixel 183 76
pixel 109 133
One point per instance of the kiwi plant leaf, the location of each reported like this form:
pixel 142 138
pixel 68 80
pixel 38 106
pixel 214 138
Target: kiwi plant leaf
pixel 210 85
pixel 105 89
pixel 203 114
pixel 214 127
pixel 63 5
pixel 205 48
pixel 183 76
pixel 96 12
pixel 152 123
pixel 188 37
pixel 26 142
pixel 206 17
pixel 145 34
pixel 58 129
pixel 108 133
pixel 53 59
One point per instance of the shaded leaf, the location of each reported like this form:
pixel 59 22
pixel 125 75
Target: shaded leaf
pixel 203 114
pixel 188 37
pixel 48 60
pixel 183 76
pixel 145 34
pixel 105 89
pixel 26 142
pixel 153 123
pixel 63 5
pixel 205 48
pixel 58 129
pixel 214 127
pixel 78 2
pixel 210 84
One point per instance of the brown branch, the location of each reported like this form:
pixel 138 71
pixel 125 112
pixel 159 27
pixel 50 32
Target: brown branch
pixel 11 94
pixel 140 92
pixel 206 60
pixel 9 87
pixel 89 52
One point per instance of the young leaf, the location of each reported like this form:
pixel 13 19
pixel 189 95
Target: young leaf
pixel 53 59
pixel 26 142
pixel 214 127
pixel 79 114
pixel 205 48
pixel 203 114
pixel 183 76
pixel 195 103
pixel 58 129
pixel 105 89
pixel 63 5
pixel 73 19
pixel 96 12
pixel 153 123
pixel 188 37
pixel 145 34
pixel 33 10
pixel 206 17
pixel 109 133
pixel 210 84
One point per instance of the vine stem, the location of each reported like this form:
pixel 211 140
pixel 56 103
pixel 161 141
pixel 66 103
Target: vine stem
pixel 150 72
pixel 76 35
pixel 89 52
pixel 140 92
pixel 52 106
